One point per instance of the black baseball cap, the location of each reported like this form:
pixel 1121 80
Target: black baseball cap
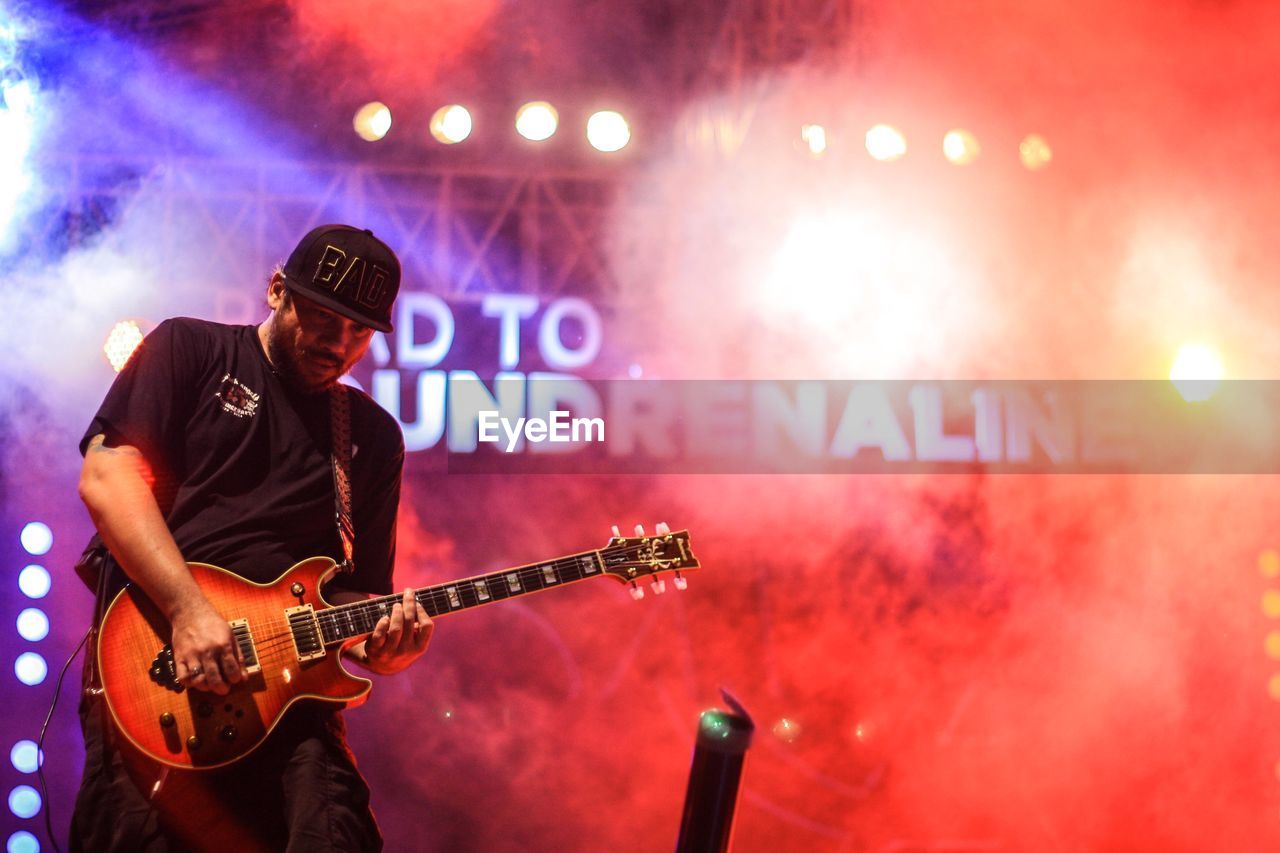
pixel 347 270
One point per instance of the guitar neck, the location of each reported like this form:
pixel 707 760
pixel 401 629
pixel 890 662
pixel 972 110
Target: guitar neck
pixel 359 618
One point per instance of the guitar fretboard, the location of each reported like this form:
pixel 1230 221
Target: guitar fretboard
pixel 359 618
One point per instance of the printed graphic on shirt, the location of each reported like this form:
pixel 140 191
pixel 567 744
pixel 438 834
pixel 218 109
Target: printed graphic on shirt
pixel 237 398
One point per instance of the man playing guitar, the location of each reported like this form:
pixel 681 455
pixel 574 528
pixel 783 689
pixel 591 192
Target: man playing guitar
pixel 215 444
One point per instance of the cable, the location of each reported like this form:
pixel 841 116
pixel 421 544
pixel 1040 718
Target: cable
pixel 44 790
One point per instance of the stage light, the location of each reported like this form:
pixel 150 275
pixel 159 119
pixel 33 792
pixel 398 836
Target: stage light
pixel 786 730
pixel 1197 371
pixel 1273 687
pixel 24 756
pixel 1269 563
pixel 451 124
pixel 23 842
pixel 635 371
pixel 24 801
pixel 537 120
pixel 30 668
pixel 33 625
pixel 960 147
pixel 1034 152
pixel 1272 645
pixel 1271 603
pixel 372 121
pixel 608 131
pixel 34 581
pixel 885 143
pixel 37 538
pixel 814 136
pixel 123 339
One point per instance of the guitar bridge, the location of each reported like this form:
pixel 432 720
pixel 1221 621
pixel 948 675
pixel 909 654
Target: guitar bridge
pixel 305 630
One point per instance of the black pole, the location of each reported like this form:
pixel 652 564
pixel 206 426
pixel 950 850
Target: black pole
pixel 712 795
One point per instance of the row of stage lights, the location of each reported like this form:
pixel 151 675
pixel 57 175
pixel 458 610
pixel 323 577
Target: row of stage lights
pixel 536 121
pixel 609 131
pixel 31 669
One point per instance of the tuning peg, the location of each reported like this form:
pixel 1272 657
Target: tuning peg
pixel 636 592
pixel 617 534
pixel 662 529
pixel 639 529
pixel 680 582
pixel 659 586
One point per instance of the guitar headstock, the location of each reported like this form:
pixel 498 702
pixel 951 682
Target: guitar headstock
pixel 632 559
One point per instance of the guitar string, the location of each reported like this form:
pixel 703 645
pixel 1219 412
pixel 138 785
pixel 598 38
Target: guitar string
pixel 439 596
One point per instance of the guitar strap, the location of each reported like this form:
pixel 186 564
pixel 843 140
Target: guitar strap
pixel 340 427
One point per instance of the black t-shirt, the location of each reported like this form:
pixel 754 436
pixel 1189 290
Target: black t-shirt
pixel 241 461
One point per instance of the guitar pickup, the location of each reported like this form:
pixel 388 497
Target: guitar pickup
pixel 305 631
pixel 244 639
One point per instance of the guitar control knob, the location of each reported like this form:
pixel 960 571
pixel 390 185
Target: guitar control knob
pixel 193 743
pixel 167 720
pixel 228 733
pixel 297 588
pixel 204 709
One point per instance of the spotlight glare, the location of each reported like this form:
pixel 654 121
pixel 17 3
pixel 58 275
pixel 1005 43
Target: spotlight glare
pixel 30 668
pixel 123 339
pixel 1197 370
pixel 1034 152
pixel 537 120
pixel 814 136
pixel 886 143
pixel 22 842
pixel 24 801
pixel 37 538
pixel 960 147
pixel 786 730
pixel 1269 563
pixel 33 625
pixel 451 124
pixel 23 755
pixel 34 581
pixel 372 121
pixel 608 131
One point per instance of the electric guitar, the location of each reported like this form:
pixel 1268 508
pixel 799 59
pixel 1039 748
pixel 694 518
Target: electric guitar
pixel 291 640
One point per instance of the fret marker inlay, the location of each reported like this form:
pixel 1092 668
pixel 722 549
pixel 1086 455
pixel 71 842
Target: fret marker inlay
pixel 482 590
pixel 549 574
pixel 513 582
pixel 452 592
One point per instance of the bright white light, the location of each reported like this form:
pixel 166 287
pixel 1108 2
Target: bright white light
pixel 121 342
pixel 30 668
pixel 960 147
pixel 451 124
pixel 23 756
pixel 24 801
pixel 23 842
pixel 537 120
pixel 17 129
pixel 33 625
pixel 635 371
pixel 886 143
pixel 815 137
pixel 34 581
pixel 37 538
pixel 1197 371
pixel 372 121
pixel 608 131
pixel 874 270
pixel 1034 152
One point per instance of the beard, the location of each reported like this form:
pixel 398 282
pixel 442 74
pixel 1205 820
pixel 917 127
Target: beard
pixel 286 363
